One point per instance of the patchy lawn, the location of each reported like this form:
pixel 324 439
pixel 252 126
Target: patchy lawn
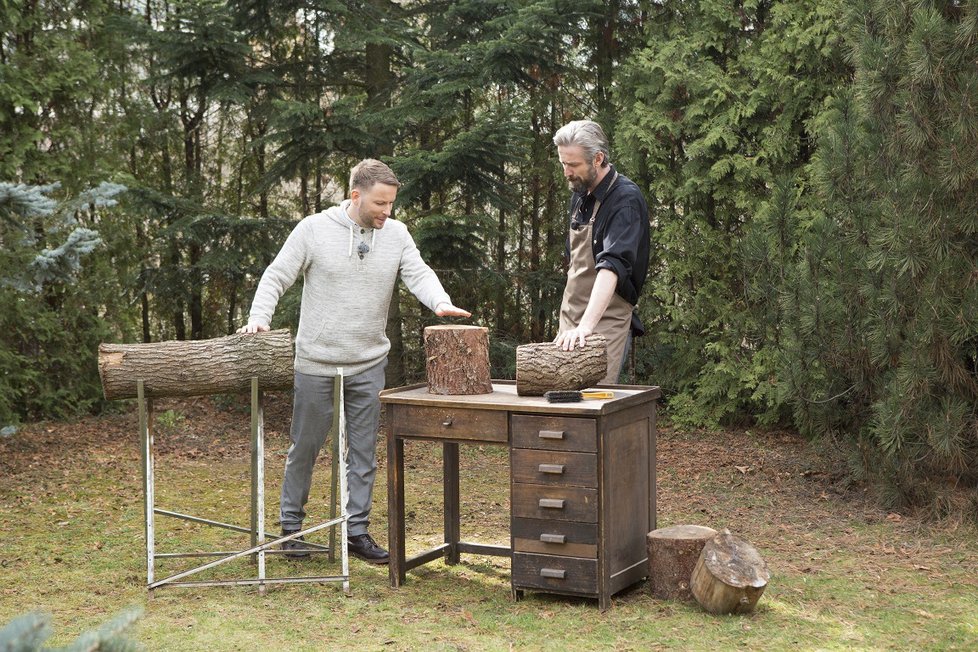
pixel 845 575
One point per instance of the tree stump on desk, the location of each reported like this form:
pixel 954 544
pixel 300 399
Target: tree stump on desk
pixel 222 365
pixel 673 553
pixel 729 576
pixel 542 367
pixel 457 360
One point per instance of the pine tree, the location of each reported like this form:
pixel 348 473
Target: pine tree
pixel 908 213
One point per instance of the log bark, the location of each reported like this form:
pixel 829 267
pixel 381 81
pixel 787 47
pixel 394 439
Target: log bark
pixel 457 360
pixel 673 553
pixel 729 576
pixel 193 368
pixel 543 367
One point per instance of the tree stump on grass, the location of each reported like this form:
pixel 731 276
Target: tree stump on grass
pixel 223 365
pixel 457 360
pixel 673 553
pixel 729 576
pixel 542 367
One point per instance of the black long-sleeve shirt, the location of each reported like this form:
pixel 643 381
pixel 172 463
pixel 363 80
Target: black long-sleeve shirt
pixel 620 233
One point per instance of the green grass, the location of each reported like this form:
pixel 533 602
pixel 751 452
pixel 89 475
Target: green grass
pixel 844 576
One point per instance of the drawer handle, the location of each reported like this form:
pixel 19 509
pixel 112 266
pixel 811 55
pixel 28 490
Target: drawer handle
pixel 553 573
pixel 553 538
pixel 556 469
pixel 551 434
pixel 552 503
pixel 448 421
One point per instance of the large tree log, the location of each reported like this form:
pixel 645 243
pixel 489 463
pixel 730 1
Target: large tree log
pixel 179 368
pixel 729 576
pixel 543 367
pixel 457 359
pixel 673 553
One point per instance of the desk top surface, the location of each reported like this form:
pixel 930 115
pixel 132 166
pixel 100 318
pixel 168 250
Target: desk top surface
pixel 504 397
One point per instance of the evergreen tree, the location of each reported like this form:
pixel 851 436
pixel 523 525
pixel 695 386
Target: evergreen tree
pixel 716 120
pixel 898 167
pixel 47 359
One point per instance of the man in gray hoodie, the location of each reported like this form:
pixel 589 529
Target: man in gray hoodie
pixel 349 257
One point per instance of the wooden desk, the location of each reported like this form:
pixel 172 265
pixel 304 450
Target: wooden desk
pixel 582 483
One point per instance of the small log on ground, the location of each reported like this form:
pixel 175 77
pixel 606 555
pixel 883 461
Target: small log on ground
pixel 457 359
pixel 729 576
pixel 222 365
pixel 543 367
pixel 673 553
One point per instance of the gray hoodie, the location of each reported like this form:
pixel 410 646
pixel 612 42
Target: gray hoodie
pixel 345 297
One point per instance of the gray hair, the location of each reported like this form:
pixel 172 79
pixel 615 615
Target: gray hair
pixel 369 171
pixel 586 134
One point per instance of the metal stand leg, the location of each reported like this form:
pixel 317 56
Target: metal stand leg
pixel 149 497
pixel 258 478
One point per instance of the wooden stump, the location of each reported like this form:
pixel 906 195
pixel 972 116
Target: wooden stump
pixel 543 367
pixel 195 368
pixel 729 576
pixel 673 553
pixel 457 360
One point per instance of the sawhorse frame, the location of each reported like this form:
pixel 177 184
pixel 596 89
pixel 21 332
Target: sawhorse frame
pixel 260 545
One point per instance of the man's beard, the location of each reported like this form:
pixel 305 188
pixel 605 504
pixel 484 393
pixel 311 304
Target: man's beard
pixel 581 184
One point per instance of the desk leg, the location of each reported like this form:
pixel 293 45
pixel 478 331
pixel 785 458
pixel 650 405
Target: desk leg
pixel 453 528
pixel 395 510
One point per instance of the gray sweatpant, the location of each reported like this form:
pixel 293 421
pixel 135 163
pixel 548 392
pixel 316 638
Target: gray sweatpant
pixel 312 418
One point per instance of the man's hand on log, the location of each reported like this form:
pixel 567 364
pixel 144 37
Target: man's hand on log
pixel 253 328
pixel 448 310
pixel 575 336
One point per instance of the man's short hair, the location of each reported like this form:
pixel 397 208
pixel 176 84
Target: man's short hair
pixel 369 171
pixel 586 134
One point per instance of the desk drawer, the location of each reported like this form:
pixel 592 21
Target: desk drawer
pixel 555 433
pixel 564 538
pixel 557 503
pixel 554 467
pixel 559 574
pixel 449 423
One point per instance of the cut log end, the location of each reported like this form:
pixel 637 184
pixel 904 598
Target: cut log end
pixel 729 576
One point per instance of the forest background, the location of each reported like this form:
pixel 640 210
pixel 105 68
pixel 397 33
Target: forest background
pixel 811 168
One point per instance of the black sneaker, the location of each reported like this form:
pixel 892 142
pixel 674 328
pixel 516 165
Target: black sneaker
pixel 296 548
pixel 362 546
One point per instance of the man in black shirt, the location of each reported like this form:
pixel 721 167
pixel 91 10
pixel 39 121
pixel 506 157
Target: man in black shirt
pixel 607 245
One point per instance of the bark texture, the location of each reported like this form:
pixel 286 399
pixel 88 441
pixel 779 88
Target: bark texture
pixel 673 553
pixel 543 367
pixel 457 359
pixel 194 368
pixel 729 576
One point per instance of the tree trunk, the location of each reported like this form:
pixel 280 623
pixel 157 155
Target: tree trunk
pixel 673 553
pixel 543 367
pixel 457 359
pixel 729 576
pixel 181 368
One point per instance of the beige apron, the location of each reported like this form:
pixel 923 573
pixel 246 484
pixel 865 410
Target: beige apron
pixel 581 274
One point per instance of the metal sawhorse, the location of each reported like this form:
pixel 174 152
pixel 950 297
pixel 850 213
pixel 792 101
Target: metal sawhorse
pixel 259 545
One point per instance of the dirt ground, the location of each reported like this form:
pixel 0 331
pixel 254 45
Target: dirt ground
pixel 772 485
